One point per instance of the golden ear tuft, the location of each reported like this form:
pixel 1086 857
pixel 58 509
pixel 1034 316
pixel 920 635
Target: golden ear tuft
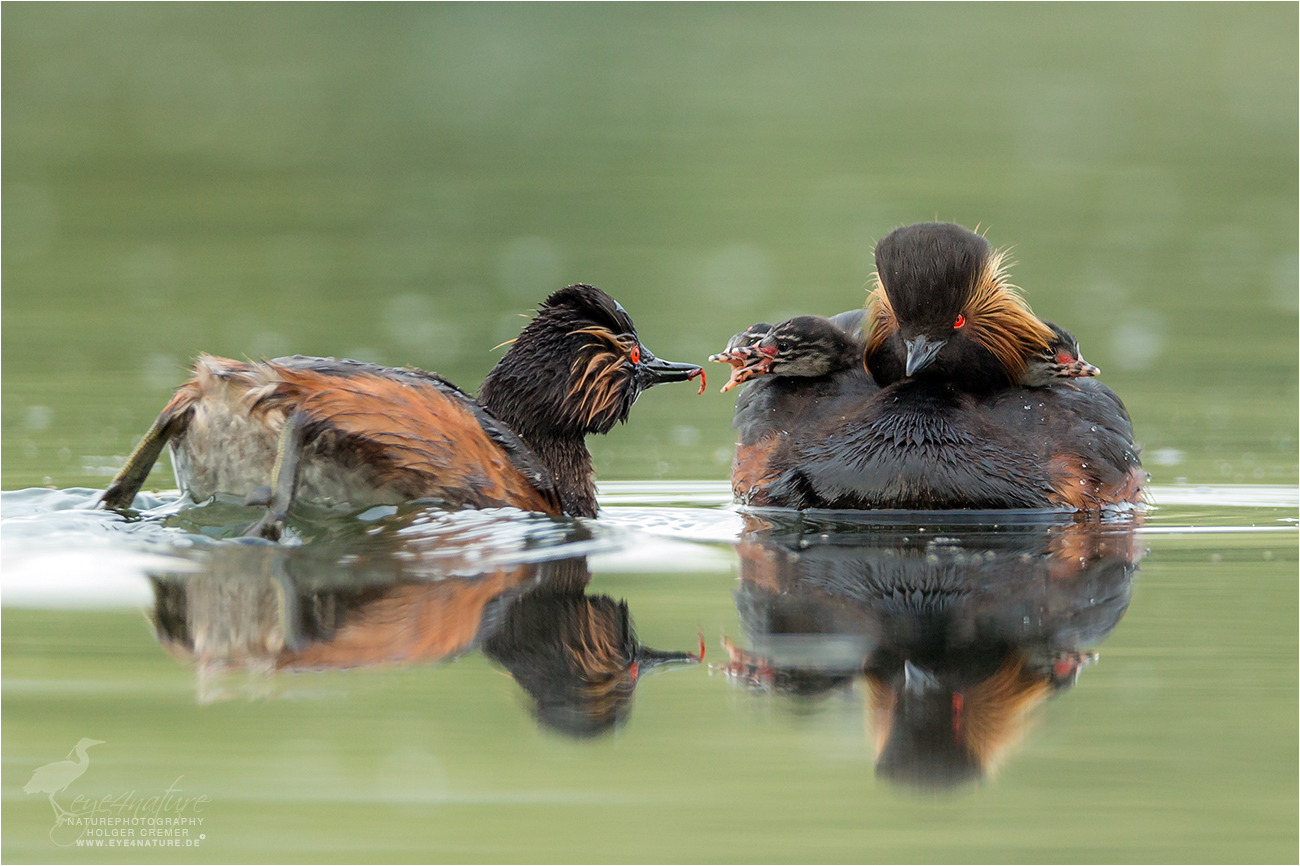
pixel 1000 320
pixel 880 315
pixel 602 334
pixel 597 383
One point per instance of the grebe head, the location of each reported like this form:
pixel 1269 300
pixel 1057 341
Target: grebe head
pixel 943 309
pixel 577 368
pixel 806 346
pixel 1060 360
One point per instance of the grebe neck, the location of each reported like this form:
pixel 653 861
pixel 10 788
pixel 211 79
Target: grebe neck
pixel 528 402
pixel 569 463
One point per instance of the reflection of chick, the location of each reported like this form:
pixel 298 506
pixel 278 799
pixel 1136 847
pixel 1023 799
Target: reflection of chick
pixel 577 657
pixel 933 731
pixel 759 672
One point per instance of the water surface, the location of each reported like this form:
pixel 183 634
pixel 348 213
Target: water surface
pixel 412 684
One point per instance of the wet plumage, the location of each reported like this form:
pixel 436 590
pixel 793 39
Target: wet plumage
pixel 961 397
pixel 331 432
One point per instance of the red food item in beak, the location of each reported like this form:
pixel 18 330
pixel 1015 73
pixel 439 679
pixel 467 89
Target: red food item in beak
pixel 704 380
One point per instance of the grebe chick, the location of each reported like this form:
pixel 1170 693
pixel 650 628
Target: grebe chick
pixel 805 346
pixel 811 346
pixel 1060 360
pixel 331 432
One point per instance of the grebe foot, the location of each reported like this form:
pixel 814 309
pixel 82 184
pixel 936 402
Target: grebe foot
pixel 270 527
pixel 284 478
pixel 172 421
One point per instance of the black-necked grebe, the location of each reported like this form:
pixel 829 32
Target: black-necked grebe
pixel 329 431
pixel 951 394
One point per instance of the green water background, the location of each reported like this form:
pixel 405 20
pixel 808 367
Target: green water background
pixel 399 183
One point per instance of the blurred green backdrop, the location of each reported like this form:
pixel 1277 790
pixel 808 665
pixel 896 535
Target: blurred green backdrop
pixel 399 182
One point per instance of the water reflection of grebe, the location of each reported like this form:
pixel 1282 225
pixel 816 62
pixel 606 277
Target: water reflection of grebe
pixel 577 656
pixel 957 631
pixel 265 609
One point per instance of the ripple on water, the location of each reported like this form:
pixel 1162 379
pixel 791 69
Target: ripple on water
pixel 59 550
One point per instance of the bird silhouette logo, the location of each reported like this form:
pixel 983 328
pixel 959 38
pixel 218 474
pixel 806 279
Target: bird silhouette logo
pixel 54 778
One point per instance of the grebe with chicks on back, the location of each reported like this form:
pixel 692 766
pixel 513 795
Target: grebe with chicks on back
pixel 948 392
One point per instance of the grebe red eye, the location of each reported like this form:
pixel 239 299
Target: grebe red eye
pixel 635 354
pixel 1064 358
pixel 961 322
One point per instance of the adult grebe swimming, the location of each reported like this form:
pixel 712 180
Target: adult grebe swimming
pixel 329 431
pixel 950 394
